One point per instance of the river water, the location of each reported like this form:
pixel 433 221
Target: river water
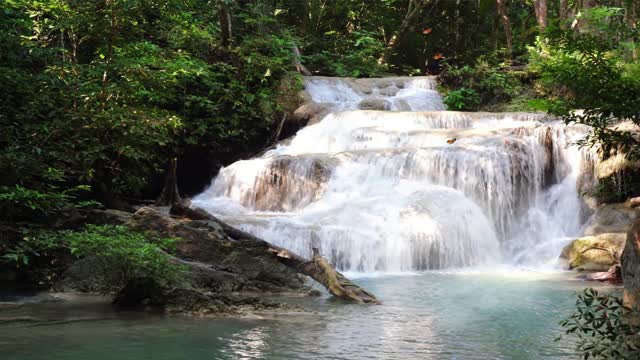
pixel 502 314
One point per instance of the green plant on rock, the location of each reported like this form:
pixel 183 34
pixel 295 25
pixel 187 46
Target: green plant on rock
pixel 122 255
pixel 605 329
pixel 117 254
pixel 462 99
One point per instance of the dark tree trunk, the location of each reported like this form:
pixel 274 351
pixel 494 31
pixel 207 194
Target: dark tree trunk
pixel 506 24
pixel 224 18
pixel 540 7
pixel 170 194
pixel 564 13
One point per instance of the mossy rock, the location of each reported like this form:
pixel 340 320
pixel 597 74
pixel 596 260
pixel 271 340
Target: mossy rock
pixel 593 253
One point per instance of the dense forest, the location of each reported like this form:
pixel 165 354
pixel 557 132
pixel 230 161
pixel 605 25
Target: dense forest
pixel 103 99
pixel 99 96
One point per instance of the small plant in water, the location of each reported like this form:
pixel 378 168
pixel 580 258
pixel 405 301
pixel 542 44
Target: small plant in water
pixel 604 327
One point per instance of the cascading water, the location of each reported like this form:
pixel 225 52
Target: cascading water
pixel 409 189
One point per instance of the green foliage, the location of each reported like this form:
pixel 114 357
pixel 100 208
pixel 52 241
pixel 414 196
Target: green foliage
pixel 116 253
pixel 604 327
pixel 485 84
pixel 32 245
pixel 589 70
pixel 122 255
pixel 355 55
pixel 462 99
pixel 110 90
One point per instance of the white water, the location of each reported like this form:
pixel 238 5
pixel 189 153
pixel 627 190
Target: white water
pixel 391 191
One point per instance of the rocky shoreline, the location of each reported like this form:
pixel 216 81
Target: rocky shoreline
pixel 221 276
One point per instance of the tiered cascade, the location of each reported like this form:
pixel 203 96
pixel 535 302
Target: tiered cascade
pixel 411 188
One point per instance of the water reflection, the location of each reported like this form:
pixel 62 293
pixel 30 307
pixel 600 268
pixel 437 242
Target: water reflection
pixel 248 344
pixel 433 315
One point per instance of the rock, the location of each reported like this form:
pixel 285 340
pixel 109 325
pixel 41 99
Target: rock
pixel 402 105
pixel 610 218
pixel 389 91
pixel 593 253
pixel 84 275
pixel 631 266
pixel 140 293
pixel 205 242
pixel 309 114
pixel 632 202
pixel 106 217
pixel 617 163
pixel 374 104
pixel 145 294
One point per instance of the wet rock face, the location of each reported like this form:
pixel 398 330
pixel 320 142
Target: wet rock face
pixel 631 266
pixel 593 253
pixel 605 237
pixel 610 218
pixel 308 114
pixel 374 104
pixel 284 186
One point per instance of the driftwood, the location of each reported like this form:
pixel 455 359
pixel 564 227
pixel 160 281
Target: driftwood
pixel 318 268
pixel 297 63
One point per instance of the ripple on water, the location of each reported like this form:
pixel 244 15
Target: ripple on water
pixel 433 315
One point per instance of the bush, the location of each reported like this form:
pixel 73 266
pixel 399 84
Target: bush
pixel 123 255
pixel 119 254
pixel 603 327
pixel 492 83
pixel 462 99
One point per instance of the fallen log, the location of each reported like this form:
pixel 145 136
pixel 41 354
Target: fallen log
pixel 318 268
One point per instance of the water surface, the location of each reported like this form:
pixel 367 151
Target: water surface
pixel 434 315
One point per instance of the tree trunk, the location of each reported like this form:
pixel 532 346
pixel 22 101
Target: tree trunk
pixel 224 18
pixel 413 12
pixel 506 24
pixel 170 194
pixel 318 268
pixel 564 13
pixel 632 21
pixel 540 7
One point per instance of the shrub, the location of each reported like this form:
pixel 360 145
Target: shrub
pixel 603 327
pixel 492 83
pixel 462 99
pixel 123 255
pixel 118 254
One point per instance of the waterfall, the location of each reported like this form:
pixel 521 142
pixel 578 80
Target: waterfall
pixel 410 188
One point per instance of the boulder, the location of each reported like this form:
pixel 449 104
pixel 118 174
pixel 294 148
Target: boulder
pixel 106 216
pixel 202 242
pixel 389 91
pixel 610 218
pixel 84 275
pixel 631 266
pixel 309 114
pixel 374 104
pixel 593 253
